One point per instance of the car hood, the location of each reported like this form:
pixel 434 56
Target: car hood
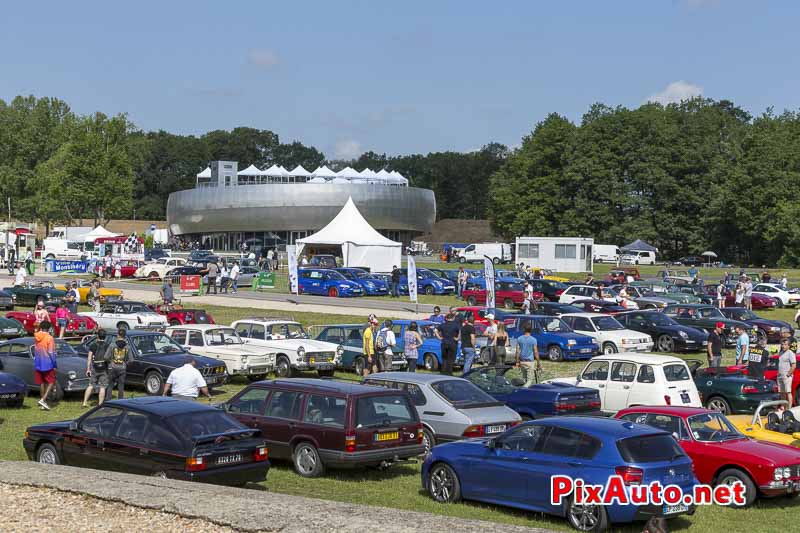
pixel 761 322
pixel 11 382
pixel 693 333
pixel 238 349
pixel 620 334
pixel 177 359
pixel 60 426
pixel 579 337
pixel 310 345
pixel 760 451
pixel 74 363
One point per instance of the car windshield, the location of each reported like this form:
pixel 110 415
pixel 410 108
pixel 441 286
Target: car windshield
pixel 554 325
pixel 347 274
pixel 361 274
pixel 222 336
pixel 63 349
pixel 139 308
pixel 462 393
pixel 743 314
pixel 289 331
pixel 607 323
pixel 660 319
pixel 376 411
pixel 201 423
pixel 158 344
pixel 712 427
pixel 426 274
pixel 710 312
pixel 335 275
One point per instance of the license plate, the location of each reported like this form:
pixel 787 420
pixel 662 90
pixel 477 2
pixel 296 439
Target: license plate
pixel 705 343
pixel 312 360
pixel 495 429
pixel 229 459
pixel 389 435
pixel 685 397
pixel 211 380
pixel 586 350
pixel 7 396
pixel 678 508
pixel 9 330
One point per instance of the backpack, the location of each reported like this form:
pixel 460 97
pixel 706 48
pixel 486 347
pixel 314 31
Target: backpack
pixel 380 342
pixel 99 354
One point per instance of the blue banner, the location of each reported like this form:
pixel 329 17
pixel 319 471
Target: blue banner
pixel 57 265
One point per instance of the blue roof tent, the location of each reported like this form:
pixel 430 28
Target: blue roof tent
pixel 639 246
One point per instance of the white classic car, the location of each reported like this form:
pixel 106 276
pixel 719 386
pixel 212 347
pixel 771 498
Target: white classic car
pixel 123 314
pixel 609 333
pixel 629 379
pixel 295 350
pixel 222 342
pixel 159 268
pixel 774 290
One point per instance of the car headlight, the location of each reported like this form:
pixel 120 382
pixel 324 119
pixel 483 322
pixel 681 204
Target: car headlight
pixel 301 352
pixel 72 375
pixel 683 334
pixel 369 285
pixel 340 350
pixel 778 475
pixel 571 342
pixel 775 328
pixel 244 359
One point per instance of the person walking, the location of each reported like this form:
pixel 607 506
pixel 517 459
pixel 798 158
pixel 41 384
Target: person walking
pixel 468 342
pixel 234 274
pixel 224 278
pixel 369 335
pixel 62 318
pixel 29 262
pixel 462 279
pixel 384 346
pixel 10 260
pixel 93 297
pixel 270 254
pixel 527 355
pixel 448 333
pixel 44 363
pixel 721 294
pixel 108 263
pixel 118 355
pixel 784 281
pixel 186 382
pixel 714 346
pixel 394 284
pixel 274 259
pixel 97 370
pixel 742 346
pixel 211 271
pixel 787 364
pixel 739 294
pixel 21 277
pixel 117 270
pixel 490 333
pixel 72 302
pixel 167 292
pixel 500 344
pixel 412 340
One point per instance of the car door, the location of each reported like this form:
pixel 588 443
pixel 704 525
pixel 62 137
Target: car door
pixel 126 451
pixel 618 388
pixel 86 446
pixel 248 407
pixel 595 375
pixel 281 421
pixel 17 360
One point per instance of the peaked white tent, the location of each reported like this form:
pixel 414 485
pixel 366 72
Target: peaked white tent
pixel 275 171
pixel 338 179
pixel 205 174
pixel 317 180
pixel 398 178
pixel 252 170
pixel 382 174
pixel 362 246
pixel 324 172
pixel 299 171
pixel 349 173
pixel 97 233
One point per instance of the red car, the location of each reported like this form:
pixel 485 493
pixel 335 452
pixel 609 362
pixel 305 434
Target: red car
pixel 77 325
pixel 760 301
pixel 128 268
pixel 507 293
pixel 723 455
pixel 178 316
pixel 621 275
pixel 771 372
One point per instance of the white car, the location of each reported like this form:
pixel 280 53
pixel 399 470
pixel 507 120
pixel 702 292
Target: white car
pixel 638 258
pixel 783 297
pixel 582 292
pixel 124 314
pixel 609 334
pixel 295 350
pixel 222 342
pixel 629 379
pixel 159 269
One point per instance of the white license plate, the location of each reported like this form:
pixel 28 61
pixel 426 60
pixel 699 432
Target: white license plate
pixel 229 459
pixel 705 343
pixel 678 508
pixel 9 330
pixel 7 396
pixel 685 397
pixel 586 350
pixel 495 429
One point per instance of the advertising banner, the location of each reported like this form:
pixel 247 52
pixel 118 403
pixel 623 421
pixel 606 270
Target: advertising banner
pixel 412 279
pixel 264 280
pixel 58 265
pixel 291 253
pixel 190 284
pixel 488 275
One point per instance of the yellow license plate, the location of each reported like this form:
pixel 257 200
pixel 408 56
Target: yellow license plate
pixel 390 435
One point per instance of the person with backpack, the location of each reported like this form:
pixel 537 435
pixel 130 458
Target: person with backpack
pixel 97 370
pixel 117 357
pixel 384 345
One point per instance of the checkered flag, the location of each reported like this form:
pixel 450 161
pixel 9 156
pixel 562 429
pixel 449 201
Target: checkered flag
pixel 131 242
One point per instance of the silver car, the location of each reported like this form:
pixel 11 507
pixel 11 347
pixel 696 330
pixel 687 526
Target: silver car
pixel 450 408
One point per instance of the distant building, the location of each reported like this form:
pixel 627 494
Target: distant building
pixel 562 254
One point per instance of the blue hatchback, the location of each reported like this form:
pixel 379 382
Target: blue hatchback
pixel 429 355
pixel 326 282
pixel 372 285
pixel 557 341
pixel 12 389
pixel 428 283
pixel 515 468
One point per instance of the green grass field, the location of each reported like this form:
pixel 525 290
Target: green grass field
pixel 399 487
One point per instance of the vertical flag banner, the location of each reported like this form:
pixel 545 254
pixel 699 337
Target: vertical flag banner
pixel 412 279
pixel 488 275
pixel 291 252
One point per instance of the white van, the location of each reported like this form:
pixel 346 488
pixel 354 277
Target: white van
pixel 499 252
pixel 606 253
pixel 55 248
pixel 639 257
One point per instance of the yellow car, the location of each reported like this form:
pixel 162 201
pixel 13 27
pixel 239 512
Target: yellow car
pixel 756 426
pixel 83 291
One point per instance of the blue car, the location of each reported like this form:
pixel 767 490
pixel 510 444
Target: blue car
pixel 514 469
pixel 12 390
pixel 556 340
pixel 479 281
pixel 506 384
pixel 430 353
pixel 372 285
pixel 326 282
pixel 428 283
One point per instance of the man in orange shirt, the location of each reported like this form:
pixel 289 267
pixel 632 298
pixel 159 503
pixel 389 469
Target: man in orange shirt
pixel 44 362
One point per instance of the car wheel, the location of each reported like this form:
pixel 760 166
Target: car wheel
pixel 609 348
pixel 508 303
pixel 174 322
pixel 718 403
pixel 443 484
pixel 666 343
pixel 325 373
pixel 306 460
pixel 587 517
pixel 428 440
pixel 496 260
pixel 123 325
pixel 153 382
pixel 731 476
pixel 282 368
pixel 56 393
pixel 48 455
pixel 554 353
pixel 153 276
pixel 761 334
pixel 484 358
pixel 358 366
pixel 428 290
pixel 472 301
pixel 333 292
pixel 431 363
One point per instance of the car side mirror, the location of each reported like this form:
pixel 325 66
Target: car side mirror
pixel 73 426
pixel 675 434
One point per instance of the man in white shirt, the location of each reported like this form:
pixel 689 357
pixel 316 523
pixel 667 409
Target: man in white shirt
pixel 386 356
pixel 234 274
pixel 21 274
pixel 186 382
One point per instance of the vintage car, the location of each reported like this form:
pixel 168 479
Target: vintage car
pixel 13 389
pixel 506 383
pixel 295 350
pixel 765 328
pixel 124 314
pixel 583 292
pixel 612 336
pixel 154 254
pixel 107 294
pixel 219 342
pixel 32 293
pixel 783 297
pixel 350 336
pixel 759 300
pixel 430 352
pixel 509 294
pixel 693 290
pixel 731 391
pixel 642 298
pixel 77 325
pixel 628 379
pixel 159 268
pixel 669 336
pixel 706 317
pixel 722 455
pixel 326 282
pixel 372 285
pixel 174 274
pixel 7 299
pixel 683 276
pixel 515 468
pixel 161 437
pixel 177 314
pixel 621 275
pixel 10 328
pixel 155 355
pixel 556 340
pixel 757 426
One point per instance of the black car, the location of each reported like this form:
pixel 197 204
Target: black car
pixel 197 255
pixel 154 254
pixel 158 436
pixel 765 328
pixel 7 299
pixel 690 260
pixel 12 390
pixel 155 355
pixel 551 289
pixel 555 309
pixel 598 306
pixel 668 335
pixel 187 270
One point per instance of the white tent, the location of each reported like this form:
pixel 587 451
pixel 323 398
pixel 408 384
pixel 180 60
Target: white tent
pixel 317 180
pixel 299 171
pixel 324 172
pixel 275 171
pixel 205 174
pixel 252 170
pixel 349 173
pixel 398 178
pixel 362 246
pixel 97 233
pixel 367 173
pixel 382 174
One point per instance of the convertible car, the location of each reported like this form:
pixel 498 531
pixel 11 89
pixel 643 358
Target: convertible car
pixel 759 428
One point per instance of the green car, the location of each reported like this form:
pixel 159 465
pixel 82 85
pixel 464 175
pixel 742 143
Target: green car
pixel 705 317
pixel 10 328
pixel 30 294
pixel 692 290
pixel 665 290
pixel 729 391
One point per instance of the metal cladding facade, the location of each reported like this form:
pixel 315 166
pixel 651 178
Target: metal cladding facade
pixel 297 206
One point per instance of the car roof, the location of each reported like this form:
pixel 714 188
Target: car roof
pixel 601 426
pixel 267 320
pixel 160 405
pixel 583 285
pixel 642 358
pixel 585 315
pixel 411 377
pixel 199 327
pixel 676 410
pixel 328 385
pixel 694 306
pixel 405 321
pixel 126 302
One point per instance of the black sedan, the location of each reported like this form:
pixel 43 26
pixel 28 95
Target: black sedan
pixel 16 357
pixel 690 260
pixel 12 390
pixel 765 328
pixel 668 335
pixel 155 355
pixel 187 270
pixel 555 309
pixel 154 436
pixel 7 299
pixel 598 306
pixel 551 289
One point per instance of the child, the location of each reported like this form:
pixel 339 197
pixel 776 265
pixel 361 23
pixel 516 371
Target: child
pixel 118 270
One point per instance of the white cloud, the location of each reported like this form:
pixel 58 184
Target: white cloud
pixel 676 92
pixel 347 149
pixel 262 58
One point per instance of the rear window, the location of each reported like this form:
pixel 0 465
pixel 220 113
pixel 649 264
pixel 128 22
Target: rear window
pixel 198 424
pixel 676 373
pixel 462 393
pixel 376 411
pixel 649 449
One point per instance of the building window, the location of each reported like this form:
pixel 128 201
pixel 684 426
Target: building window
pixel 227 181
pixel 530 251
pixel 583 251
pixel 565 251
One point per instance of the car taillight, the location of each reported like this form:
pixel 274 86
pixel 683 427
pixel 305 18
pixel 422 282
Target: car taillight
pixel 667 399
pixel 749 389
pixel 350 443
pixel 195 464
pixel 514 423
pixel 774 387
pixel 630 475
pixel 260 454
pixel 594 403
pixel 474 431
pixel 420 435
pixel 561 405
pixel 559 291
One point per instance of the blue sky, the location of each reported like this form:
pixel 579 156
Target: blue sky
pixel 395 77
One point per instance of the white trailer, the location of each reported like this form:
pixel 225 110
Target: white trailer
pixel 561 254
pixel 606 253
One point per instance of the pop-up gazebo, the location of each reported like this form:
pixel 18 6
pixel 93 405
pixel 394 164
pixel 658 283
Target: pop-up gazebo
pixel 362 245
